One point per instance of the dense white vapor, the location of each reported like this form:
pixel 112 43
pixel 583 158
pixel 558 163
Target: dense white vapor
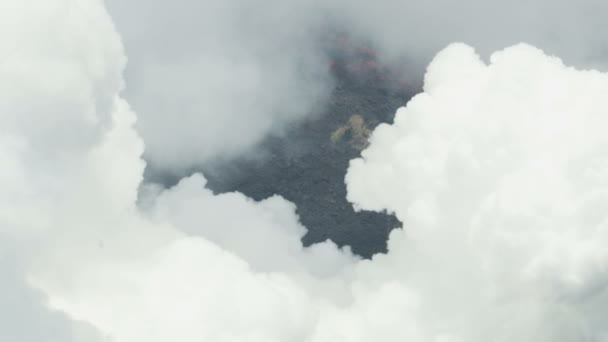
pixel 215 78
pixel 498 172
pixel 211 79
pixel 266 234
pixel 24 316
pixel 179 268
pixel 56 86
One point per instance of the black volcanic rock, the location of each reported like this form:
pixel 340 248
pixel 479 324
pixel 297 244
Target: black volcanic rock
pixel 307 165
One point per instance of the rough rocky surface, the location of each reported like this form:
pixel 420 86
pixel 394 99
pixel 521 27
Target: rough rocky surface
pixel 307 164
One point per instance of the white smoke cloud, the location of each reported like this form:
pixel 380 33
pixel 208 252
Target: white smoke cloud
pixel 496 171
pixel 69 210
pixel 211 80
pixel 24 316
pixel 266 234
pixel 55 83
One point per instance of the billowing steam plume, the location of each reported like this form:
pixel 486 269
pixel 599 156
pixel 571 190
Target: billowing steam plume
pixel 210 80
pixel 497 171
